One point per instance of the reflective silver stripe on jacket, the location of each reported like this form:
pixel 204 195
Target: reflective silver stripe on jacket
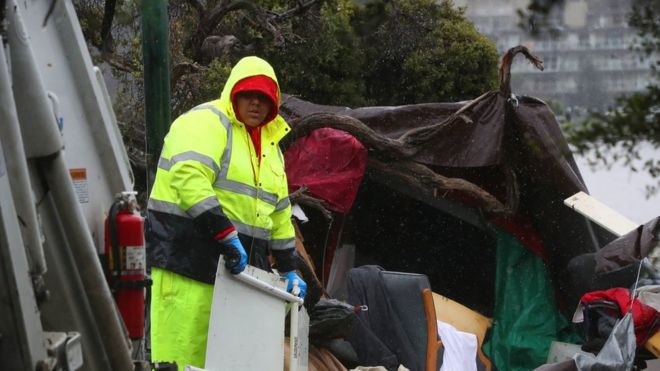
pixel 283 204
pixel 221 182
pixel 166 207
pixel 251 231
pixel 172 208
pixel 203 205
pixel 220 172
pixel 226 154
pixel 221 177
pixel 284 244
pixel 166 164
pixel 246 189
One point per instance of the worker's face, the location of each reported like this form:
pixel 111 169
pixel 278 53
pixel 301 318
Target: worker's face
pixel 253 107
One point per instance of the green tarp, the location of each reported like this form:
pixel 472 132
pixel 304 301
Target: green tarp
pixel 526 317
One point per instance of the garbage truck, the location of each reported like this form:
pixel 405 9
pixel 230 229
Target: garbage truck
pixel 73 276
pixel 72 247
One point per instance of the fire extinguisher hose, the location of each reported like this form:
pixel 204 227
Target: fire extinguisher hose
pixel 115 257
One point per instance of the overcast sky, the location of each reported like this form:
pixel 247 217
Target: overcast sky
pixel 623 190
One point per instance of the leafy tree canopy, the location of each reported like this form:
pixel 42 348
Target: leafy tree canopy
pixel 423 51
pixel 326 51
pixel 337 52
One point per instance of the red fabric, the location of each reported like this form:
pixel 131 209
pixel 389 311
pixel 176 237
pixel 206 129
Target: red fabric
pixel 224 233
pixel 330 163
pixel 255 135
pixel 643 315
pixel 524 231
pixel 262 84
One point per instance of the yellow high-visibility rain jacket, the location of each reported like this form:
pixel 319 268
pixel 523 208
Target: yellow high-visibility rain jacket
pixel 209 178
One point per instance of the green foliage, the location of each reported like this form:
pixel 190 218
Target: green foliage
pixel 332 52
pixel 646 19
pixel 422 51
pixel 200 87
pixel 337 52
pixel 323 62
pixel 621 133
pixel 391 31
pixel 90 16
pixel 214 79
pixel 447 68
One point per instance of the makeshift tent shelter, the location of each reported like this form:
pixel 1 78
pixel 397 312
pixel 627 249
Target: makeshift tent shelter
pixel 470 194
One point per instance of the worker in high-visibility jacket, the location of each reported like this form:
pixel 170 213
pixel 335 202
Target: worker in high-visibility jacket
pixel 220 188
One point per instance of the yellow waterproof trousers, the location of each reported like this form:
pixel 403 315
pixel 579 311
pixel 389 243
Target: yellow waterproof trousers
pixel 180 311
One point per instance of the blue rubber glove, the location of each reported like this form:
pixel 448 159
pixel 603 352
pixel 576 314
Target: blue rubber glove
pixel 235 256
pixel 301 284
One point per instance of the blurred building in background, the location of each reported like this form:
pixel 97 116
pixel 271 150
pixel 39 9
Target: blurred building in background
pixel 586 49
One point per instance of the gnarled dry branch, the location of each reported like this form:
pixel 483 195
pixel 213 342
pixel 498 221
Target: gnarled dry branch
pixel 379 145
pixel 390 158
pixel 505 68
pixel 298 196
pixel 426 184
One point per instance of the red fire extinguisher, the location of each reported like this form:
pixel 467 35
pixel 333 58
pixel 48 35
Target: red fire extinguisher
pixel 126 263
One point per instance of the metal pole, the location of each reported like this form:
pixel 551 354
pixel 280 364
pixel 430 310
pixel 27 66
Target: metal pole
pixel 23 345
pixel 113 334
pixel 156 59
pixel 266 287
pixel 17 168
pixel 39 139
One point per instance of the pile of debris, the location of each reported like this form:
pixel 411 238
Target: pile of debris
pixel 468 198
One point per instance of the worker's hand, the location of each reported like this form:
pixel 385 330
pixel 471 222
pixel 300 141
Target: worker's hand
pixel 235 256
pixel 291 276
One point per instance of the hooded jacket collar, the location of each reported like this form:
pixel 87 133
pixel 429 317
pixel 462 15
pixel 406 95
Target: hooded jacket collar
pixel 246 67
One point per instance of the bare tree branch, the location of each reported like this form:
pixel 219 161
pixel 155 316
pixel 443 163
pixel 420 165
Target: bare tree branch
pixel 298 192
pixel 304 264
pixel 118 63
pixel 377 143
pixel 258 18
pixel 426 184
pixel 183 69
pixel 299 196
pixel 196 5
pixel 106 26
pixel 210 19
pixel 389 159
pixel 505 68
pixel 300 8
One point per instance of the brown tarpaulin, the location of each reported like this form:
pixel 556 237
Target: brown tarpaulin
pixel 499 156
pixel 629 248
